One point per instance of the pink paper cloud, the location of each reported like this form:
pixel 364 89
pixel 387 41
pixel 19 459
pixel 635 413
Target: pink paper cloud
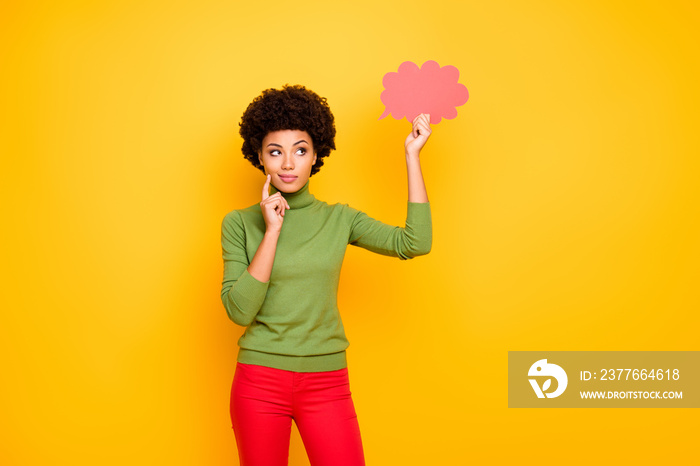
pixel 429 89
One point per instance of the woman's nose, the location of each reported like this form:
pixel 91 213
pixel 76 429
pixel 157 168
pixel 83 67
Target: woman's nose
pixel 288 162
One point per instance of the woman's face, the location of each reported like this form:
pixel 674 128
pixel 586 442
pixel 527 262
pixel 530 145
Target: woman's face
pixel 288 156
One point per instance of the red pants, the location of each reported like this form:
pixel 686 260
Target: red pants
pixel 264 401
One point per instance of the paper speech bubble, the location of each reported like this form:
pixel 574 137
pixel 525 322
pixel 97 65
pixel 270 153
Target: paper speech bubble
pixel 429 89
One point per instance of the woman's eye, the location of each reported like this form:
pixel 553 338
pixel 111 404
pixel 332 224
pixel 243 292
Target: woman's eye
pixel 301 151
pixel 275 152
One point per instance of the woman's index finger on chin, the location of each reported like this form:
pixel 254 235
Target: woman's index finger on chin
pixel 266 188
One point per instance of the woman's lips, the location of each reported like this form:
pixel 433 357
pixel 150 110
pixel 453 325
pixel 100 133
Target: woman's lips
pixel 288 178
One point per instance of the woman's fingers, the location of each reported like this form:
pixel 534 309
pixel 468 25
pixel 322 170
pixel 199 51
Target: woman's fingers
pixel 421 125
pixel 278 203
pixel 420 132
pixel 266 188
pixel 273 203
pixel 285 204
pixel 424 119
pixel 266 192
pixel 273 207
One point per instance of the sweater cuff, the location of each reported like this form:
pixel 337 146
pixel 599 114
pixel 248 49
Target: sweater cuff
pixel 418 213
pixel 249 293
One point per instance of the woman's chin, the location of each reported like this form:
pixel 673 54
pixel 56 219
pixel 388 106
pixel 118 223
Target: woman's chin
pixel 293 187
pixel 286 187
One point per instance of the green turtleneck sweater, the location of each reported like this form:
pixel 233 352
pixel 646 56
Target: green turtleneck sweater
pixel 292 320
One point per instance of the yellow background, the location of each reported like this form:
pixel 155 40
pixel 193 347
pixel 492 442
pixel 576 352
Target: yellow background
pixel 564 198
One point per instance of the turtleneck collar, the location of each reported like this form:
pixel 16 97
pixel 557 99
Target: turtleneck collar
pixel 296 200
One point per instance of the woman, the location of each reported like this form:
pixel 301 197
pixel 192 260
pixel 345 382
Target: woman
pixel 282 261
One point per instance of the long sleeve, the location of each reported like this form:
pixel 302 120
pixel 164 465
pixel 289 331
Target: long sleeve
pixel 241 293
pixel 415 239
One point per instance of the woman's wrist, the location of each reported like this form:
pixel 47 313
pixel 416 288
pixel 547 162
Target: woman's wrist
pixel 412 156
pixel 272 233
pixel 412 161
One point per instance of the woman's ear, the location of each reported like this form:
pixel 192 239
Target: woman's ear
pixel 260 159
pixel 314 162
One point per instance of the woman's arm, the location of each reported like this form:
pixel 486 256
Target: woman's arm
pixel 414 143
pixel 415 239
pixel 273 209
pixel 245 284
pixel 241 293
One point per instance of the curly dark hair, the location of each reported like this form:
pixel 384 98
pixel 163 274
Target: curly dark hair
pixel 292 107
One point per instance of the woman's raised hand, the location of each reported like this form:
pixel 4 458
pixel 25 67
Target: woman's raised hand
pixel 419 135
pixel 273 208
